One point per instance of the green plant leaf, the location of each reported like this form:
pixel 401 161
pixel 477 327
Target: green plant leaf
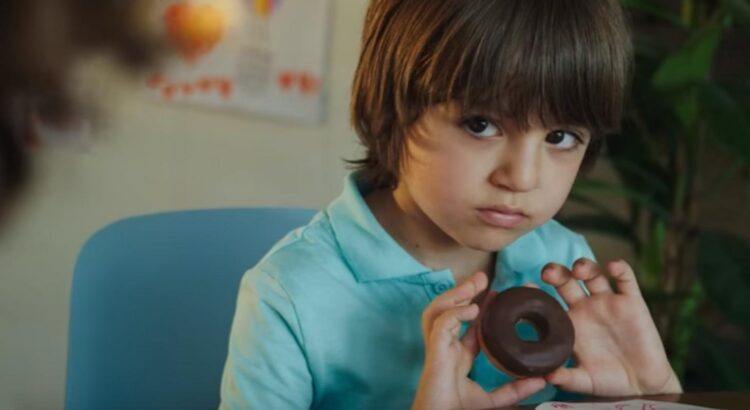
pixel 606 224
pixel 651 263
pixel 724 367
pixel 683 328
pixel 593 185
pixel 691 63
pixel 739 91
pixel 686 106
pixel 581 199
pixel 652 9
pixel 659 296
pixel 740 9
pixel 637 172
pixel 728 120
pixel 724 269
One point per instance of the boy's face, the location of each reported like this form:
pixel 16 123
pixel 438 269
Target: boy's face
pixel 483 183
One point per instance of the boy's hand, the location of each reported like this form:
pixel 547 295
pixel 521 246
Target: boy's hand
pixel 617 348
pixel 444 383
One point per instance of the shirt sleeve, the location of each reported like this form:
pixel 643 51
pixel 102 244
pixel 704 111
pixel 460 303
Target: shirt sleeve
pixel 581 249
pixel 266 367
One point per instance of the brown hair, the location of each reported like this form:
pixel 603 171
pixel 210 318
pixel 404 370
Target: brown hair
pixel 567 61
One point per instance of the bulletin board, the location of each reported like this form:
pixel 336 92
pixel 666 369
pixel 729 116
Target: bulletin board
pixel 262 57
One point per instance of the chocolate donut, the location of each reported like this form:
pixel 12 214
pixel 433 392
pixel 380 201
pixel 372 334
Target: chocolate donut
pixel 507 351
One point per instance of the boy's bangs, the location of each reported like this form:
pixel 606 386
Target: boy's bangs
pixel 553 61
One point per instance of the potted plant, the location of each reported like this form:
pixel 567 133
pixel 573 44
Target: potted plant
pixel 685 140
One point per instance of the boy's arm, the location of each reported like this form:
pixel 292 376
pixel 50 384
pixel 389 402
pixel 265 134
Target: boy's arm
pixel 266 366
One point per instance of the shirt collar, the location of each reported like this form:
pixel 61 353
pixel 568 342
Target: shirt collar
pixel 371 253
pixel 523 254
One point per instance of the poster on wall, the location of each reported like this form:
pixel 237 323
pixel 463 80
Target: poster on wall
pixel 262 57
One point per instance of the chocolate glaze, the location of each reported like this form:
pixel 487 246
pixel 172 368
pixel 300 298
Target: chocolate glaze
pixel 499 340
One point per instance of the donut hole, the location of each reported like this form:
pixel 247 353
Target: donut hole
pixel 532 328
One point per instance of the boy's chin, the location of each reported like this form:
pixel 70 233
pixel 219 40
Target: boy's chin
pixel 492 242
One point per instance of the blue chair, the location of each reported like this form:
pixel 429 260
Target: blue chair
pixel 152 302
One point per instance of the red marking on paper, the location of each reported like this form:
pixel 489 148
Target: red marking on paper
pixel 223 86
pixel 155 80
pixel 308 84
pixel 169 90
pixel 285 79
pixel 204 84
pixel 187 89
pixel 305 82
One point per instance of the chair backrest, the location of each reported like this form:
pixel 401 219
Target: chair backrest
pixel 152 301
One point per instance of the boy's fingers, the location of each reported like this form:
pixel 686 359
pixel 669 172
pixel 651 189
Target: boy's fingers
pixel 516 391
pixel 571 379
pixel 461 295
pixel 470 340
pixel 624 278
pixel 562 279
pixel 448 325
pixel 590 272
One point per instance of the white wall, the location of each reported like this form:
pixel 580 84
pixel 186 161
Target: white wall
pixel 149 157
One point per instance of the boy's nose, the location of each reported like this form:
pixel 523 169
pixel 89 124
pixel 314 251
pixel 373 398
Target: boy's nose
pixel 519 168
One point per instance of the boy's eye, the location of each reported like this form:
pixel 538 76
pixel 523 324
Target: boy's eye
pixel 480 127
pixel 564 140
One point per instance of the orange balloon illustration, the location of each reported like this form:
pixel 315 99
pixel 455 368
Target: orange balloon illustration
pixel 194 29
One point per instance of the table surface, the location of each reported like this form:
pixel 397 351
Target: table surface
pixel 734 400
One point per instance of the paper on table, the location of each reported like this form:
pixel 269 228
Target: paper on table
pixel 620 405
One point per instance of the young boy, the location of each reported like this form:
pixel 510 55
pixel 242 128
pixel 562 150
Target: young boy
pixel 476 116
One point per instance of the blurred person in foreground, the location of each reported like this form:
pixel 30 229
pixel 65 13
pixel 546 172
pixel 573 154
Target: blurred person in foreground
pixel 41 42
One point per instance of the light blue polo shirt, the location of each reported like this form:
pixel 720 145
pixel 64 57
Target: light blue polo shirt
pixel 330 317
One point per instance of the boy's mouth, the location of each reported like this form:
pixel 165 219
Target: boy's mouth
pixel 502 216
